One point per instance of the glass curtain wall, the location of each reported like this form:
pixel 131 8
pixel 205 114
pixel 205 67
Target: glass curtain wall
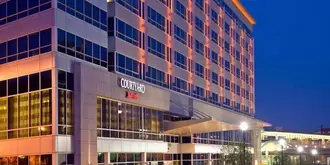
pixel 26 106
pixel 123 120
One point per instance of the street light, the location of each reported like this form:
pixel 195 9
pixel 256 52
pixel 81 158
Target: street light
pixel 300 149
pixel 314 153
pixel 282 143
pixel 243 127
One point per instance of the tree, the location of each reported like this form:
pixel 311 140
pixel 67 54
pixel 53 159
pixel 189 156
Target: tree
pixel 237 154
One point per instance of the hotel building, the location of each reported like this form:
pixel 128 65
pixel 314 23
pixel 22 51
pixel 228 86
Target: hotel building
pixel 96 82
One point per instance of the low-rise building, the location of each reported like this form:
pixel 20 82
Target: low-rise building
pixel 272 149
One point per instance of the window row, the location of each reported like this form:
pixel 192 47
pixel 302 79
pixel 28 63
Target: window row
pixel 84 10
pixel 128 66
pixel 129 34
pixel 27 160
pixel 135 69
pixel 183 12
pixel 122 120
pixel 222 4
pixel 24 84
pixel 26 115
pixel 135 6
pixel 221 137
pixel 26 46
pixel 182 61
pixel 83 49
pixel 181 86
pixel 135 37
pixel 167 3
pixel 159 49
pixel 157 77
pixel 159 21
pixel 17 9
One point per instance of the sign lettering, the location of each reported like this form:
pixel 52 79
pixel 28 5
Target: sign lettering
pixel 131 85
pixel 132 95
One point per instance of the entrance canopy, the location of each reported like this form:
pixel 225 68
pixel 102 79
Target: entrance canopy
pixel 206 118
pixel 189 127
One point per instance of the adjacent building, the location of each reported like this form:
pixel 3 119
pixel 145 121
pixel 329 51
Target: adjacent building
pixel 90 82
pixel 308 141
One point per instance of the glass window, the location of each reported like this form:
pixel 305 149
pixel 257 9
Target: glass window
pixel 34 160
pixel 34 81
pixel 104 54
pixel 96 13
pixel 3 50
pixel 12 47
pixel 12 86
pixel 3 11
pixel 45 37
pixel 96 51
pixel 62 79
pixel 103 17
pixel 12 113
pixel 80 44
pixel 46 108
pixel 33 3
pixel 3 88
pixel 22 44
pixel 23 117
pixel 23 84
pixel 61 37
pixel 61 108
pixel 70 41
pixel 46 159
pixel 114 115
pixel 46 79
pixel 70 3
pixel 22 5
pixel 80 5
pixel 88 9
pixel 88 48
pixel 33 41
pixel 11 6
pixel 3 116
pixel 34 111
pixel 70 81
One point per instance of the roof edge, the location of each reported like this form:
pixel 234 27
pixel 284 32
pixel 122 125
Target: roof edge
pixel 242 9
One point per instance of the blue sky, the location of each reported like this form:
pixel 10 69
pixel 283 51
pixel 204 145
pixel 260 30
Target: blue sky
pixel 292 56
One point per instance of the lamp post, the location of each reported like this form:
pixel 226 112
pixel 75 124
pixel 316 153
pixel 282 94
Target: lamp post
pixel 243 127
pixel 300 149
pixel 314 153
pixel 282 143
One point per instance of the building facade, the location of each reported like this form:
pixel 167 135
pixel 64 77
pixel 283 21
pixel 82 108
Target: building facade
pixel 89 82
pixel 271 148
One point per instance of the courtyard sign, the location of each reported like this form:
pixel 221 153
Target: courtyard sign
pixel 131 85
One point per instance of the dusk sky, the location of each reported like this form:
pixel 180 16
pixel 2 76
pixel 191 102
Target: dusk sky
pixel 292 40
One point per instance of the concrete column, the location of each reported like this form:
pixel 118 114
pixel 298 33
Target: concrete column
pixel 54 159
pixel 106 158
pixel 209 159
pixel 85 134
pixel 256 144
pixel 144 158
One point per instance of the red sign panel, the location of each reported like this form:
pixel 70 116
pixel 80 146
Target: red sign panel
pixel 132 95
